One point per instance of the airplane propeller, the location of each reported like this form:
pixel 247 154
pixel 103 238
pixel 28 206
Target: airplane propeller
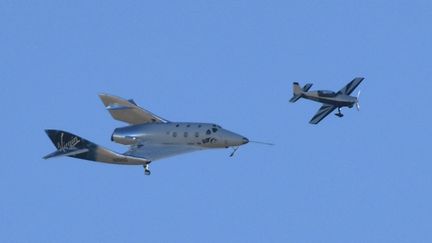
pixel 357 101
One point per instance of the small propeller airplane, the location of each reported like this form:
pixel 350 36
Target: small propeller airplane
pixel 331 100
pixel 149 136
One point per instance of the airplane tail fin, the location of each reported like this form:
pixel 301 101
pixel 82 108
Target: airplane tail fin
pixel 71 145
pixel 298 92
pixel 67 144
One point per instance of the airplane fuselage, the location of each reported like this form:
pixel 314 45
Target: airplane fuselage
pixel 331 98
pixel 149 137
pixel 203 135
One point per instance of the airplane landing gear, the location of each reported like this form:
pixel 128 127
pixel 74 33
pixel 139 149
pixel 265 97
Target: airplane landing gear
pixel 339 114
pixel 146 169
pixel 234 150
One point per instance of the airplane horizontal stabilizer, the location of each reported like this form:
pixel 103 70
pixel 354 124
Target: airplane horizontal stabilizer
pixel 307 87
pixel 295 98
pixel 71 152
pixel 71 145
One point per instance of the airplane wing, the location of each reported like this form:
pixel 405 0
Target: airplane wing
pixel 154 152
pixel 128 111
pixel 322 113
pixel 351 86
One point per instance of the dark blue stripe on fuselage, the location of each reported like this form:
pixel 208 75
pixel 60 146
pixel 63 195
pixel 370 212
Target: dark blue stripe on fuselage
pixel 338 100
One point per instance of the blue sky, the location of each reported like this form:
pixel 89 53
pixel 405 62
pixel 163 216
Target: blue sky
pixel 363 178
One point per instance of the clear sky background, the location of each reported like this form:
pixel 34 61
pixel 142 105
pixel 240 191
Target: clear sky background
pixel 363 178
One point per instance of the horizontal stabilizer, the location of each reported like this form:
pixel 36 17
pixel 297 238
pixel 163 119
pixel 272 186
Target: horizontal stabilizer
pixel 295 98
pixel 307 87
pixel 70 152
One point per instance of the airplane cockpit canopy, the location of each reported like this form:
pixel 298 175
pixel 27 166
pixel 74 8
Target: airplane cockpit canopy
pixel 214 129
pixel 209 131
pixel 214 125
pixel 326 93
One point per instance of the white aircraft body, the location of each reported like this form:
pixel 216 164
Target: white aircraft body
pixel 148 136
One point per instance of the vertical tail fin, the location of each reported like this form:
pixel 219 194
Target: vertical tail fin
pixel 297 92
pixel 65 141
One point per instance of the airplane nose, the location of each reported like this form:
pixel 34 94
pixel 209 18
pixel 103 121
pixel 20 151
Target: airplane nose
pixel 245 140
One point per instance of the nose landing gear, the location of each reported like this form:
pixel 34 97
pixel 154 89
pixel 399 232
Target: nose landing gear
pixel 233 152
pixel 339 114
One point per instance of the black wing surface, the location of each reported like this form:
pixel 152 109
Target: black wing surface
pixel 322 113
pixel 351 86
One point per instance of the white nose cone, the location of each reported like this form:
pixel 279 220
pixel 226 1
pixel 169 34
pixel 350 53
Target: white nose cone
pixel 234 139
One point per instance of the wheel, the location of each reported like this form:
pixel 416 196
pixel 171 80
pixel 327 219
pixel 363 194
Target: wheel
pixel 147 172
